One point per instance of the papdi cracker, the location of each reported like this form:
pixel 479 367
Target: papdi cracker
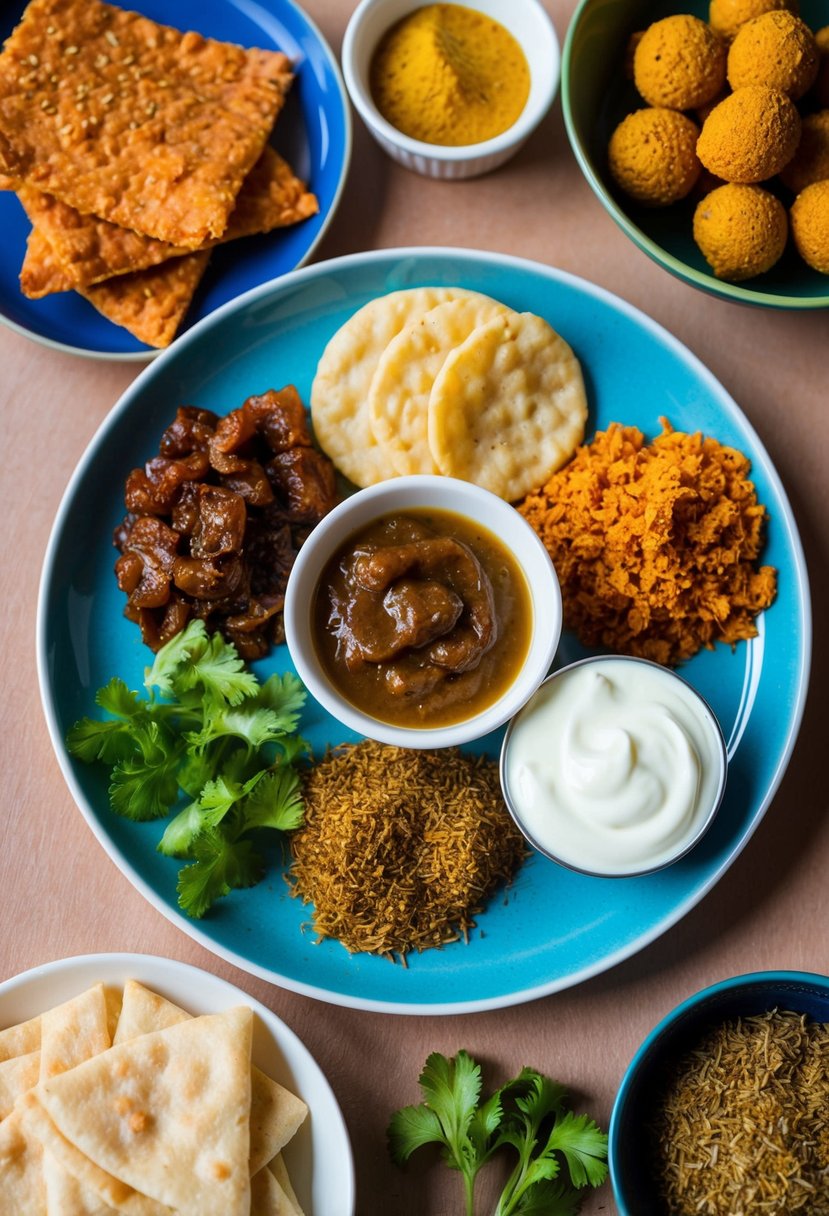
pixel 508 406
pixel 133 121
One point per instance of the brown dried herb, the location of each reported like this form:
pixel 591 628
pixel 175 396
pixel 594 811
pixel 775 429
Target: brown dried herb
pixel 401 847
pixel 743 1126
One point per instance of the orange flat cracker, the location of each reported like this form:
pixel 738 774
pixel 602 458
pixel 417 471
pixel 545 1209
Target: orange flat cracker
pixel 151 304
pixel 133 121
pixel 84 250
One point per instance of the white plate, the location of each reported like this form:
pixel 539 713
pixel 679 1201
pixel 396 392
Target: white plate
pixel 318 1158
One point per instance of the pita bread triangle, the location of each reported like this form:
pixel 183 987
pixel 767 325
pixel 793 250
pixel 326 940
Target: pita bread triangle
pixel 275 1113
pixel 167 1113
pixel 267 1197
pixel 21 1170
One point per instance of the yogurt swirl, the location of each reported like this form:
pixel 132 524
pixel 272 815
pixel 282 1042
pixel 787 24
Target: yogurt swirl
pixel 614 766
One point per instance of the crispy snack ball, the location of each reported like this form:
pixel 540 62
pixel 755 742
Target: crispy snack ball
pixel 740 230
pixel 652 156
pixel 810 162
pixel 726 16
pixel 508 407
pixel 810 225
pixel 133 121
pixel 340 392
pixel 89 250
pixel 679 62
pixel 402 383
pixel 776 49
pixel 750 136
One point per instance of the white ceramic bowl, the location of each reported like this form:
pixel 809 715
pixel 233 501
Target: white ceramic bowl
pixel 443 494
pixel 605 747
pixel 528 23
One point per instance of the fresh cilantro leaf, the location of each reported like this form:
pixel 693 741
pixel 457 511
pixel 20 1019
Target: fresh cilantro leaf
pixel 556 1198
pixel 120 701
pixel 285 695
pixel 247 722
pixel 584 1147
pixel 220 867
pixel 140 791
pixel 109 741
pixel 192 660
pixel 274 802
pixel 217 798
pixel 411 1128
pixel 208 730
pixel 527 1116
pixel 182 831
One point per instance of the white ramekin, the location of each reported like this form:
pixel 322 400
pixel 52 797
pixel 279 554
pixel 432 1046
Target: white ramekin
pixel 528 23
pixel 399 495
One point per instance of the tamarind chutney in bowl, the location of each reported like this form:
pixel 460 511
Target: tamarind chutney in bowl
pixel 421 610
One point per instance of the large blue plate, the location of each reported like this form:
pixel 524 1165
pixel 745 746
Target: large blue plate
pixel 313 133
pixel 552 928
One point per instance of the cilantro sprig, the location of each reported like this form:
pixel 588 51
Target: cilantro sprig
pixel 557 1152
pixel 209 731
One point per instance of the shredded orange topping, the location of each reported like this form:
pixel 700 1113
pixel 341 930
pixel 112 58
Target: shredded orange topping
pixel 655 545
pixel 401 847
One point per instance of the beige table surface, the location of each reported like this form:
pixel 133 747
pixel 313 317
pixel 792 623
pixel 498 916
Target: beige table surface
pixel 59 893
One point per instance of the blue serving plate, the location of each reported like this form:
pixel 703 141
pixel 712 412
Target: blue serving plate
pixel 553 927
pixel 313 133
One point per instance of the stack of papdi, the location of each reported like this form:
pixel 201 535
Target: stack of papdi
pixel 444 380
pixel 122 1103
pixel 134 149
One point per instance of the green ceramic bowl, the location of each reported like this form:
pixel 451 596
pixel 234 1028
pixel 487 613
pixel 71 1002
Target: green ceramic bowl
pixel 596 95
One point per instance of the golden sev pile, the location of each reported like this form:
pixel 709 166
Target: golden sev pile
pixel 655 545
pixel 134 149
pixel 401 847
pixel 743 1126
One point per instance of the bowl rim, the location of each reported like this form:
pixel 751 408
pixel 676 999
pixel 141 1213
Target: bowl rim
pixel 733 292
pixel 707 715
pixel 415 490
pixel 788 980
pixel 512 137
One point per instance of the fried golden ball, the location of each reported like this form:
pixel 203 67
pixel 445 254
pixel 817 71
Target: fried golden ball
pixel 809 218
pixel 741 231
pixel 652 156
pixel 750 136
pixel 726 16
pixel 810 162
pixel 679 62
pixel 777 50
pixel 820 89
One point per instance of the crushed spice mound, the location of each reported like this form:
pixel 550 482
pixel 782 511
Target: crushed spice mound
pixel 401 847
pixel 743 1123
pixel 655 545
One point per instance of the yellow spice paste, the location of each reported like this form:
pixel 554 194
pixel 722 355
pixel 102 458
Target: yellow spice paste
pixel 446 74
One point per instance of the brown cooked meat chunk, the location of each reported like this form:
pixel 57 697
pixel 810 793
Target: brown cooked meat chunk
pixel 215 519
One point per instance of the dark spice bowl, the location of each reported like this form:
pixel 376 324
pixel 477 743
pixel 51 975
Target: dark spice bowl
pixel 631 1166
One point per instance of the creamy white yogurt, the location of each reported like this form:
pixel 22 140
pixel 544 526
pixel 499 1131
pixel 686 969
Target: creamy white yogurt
pixel 614 766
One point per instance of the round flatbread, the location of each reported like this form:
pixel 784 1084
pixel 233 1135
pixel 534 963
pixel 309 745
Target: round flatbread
pixel 402 384
pixel 340 391
pixel 508 407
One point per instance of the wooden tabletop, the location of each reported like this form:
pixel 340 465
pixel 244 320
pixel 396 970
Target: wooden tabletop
pixel 60 894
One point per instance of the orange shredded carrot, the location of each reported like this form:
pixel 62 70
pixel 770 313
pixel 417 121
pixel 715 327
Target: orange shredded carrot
pixel 655 545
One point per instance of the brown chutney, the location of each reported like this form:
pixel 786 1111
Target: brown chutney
pixel 422 618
